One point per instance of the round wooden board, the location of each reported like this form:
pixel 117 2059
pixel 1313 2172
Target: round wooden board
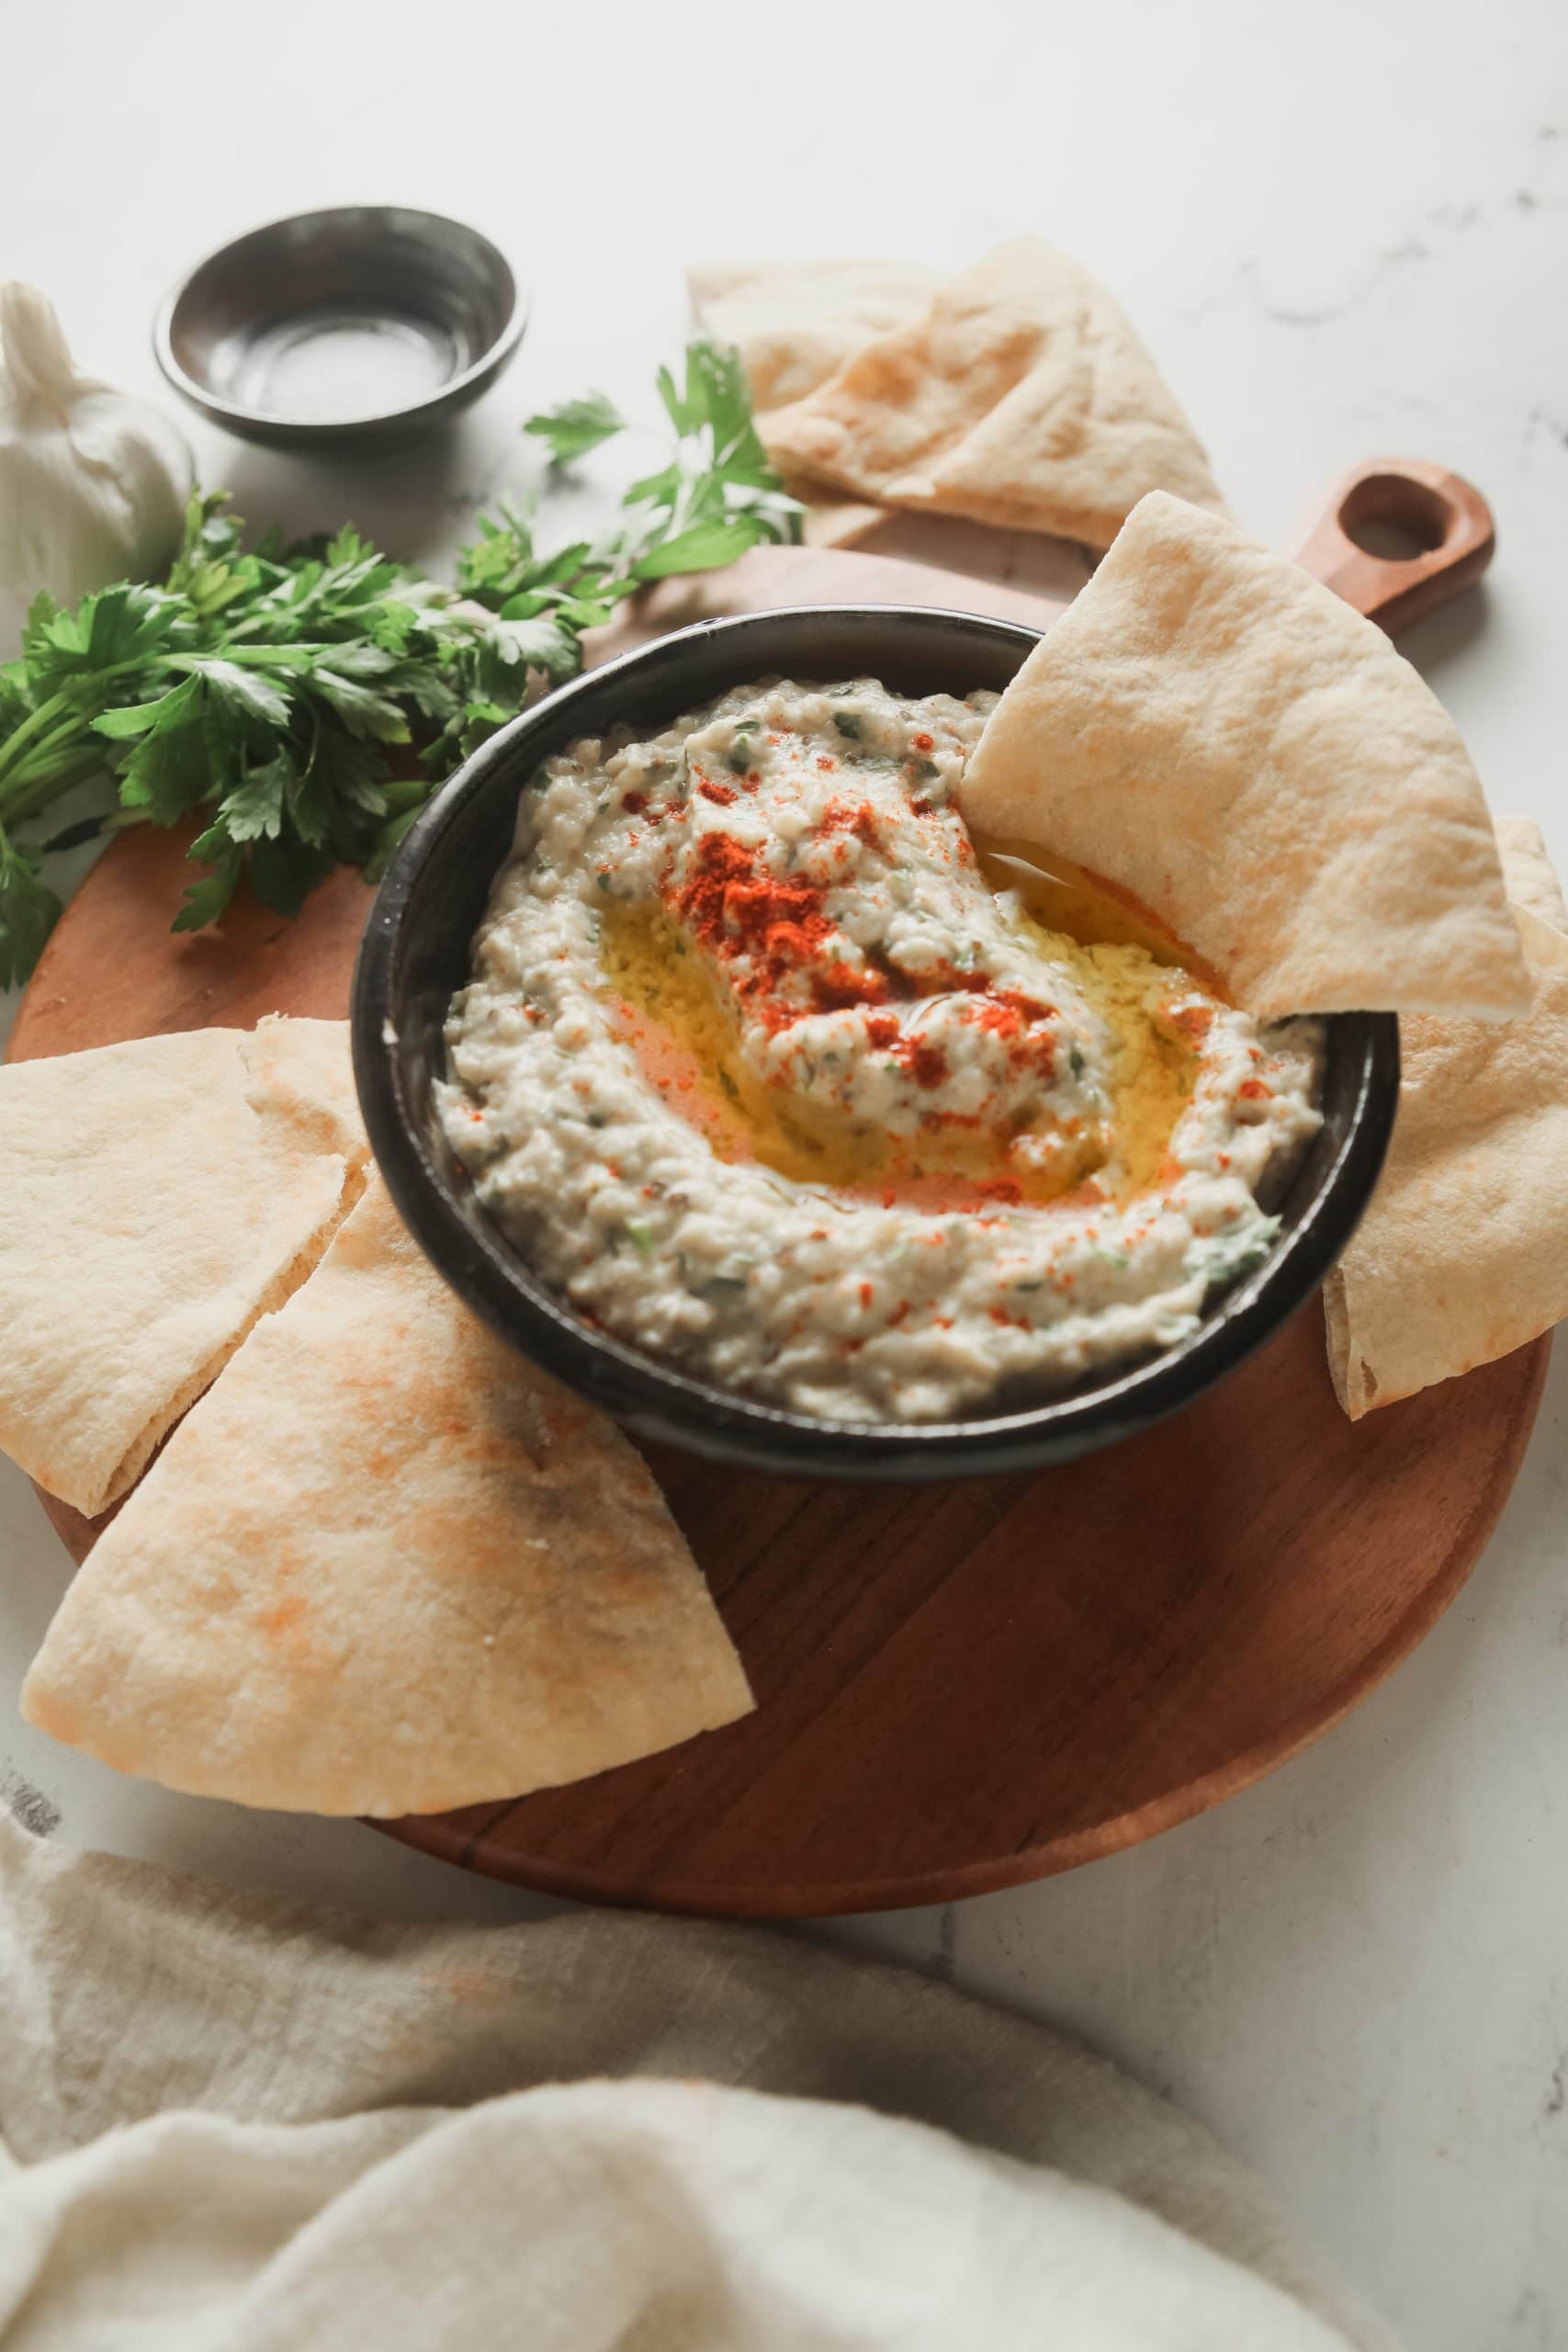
pixel 958 1687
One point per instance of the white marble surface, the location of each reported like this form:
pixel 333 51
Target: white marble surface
pixel 1344 231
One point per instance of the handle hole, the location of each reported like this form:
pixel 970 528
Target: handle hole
pixel 1395 518
pixel 1393 541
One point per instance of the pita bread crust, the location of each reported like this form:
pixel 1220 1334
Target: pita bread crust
pixel 152 1214
pixel 1212 730
pixel 1463 1255
pixel 385 1566
pixel 1021 398
pixel 1528 872
pixel 795 323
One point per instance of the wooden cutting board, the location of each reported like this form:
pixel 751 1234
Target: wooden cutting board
pixel 959 1687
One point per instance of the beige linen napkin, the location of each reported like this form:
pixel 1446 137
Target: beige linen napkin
pixel 232 2120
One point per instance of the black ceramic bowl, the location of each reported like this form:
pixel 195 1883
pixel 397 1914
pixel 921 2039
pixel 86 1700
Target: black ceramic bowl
pixel 416 952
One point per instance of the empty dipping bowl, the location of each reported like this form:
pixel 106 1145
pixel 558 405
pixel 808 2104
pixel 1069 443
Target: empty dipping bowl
pixel 368 320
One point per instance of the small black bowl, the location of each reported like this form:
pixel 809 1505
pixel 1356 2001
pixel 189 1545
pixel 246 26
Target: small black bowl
pixel 416 953
pixel 369 323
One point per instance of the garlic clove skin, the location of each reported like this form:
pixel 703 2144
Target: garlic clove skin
pixel 92 481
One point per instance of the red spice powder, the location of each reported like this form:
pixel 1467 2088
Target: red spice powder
pixel 839 986
pixel 1192 1021
pixel 735 906
pixel 1008 1015
pixel 723 796
pixel 839 816
pixel 927 1064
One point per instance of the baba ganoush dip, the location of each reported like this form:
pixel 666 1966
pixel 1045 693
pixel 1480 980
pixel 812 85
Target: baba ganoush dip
pixel 762 1072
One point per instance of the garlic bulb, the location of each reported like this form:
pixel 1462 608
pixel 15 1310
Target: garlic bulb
pixel 93 482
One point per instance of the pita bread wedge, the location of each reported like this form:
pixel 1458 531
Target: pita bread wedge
pixel 795 323
pixel 385 1566
pixel 1463 1255
pixel 1219 735
pixel 1020 397
pixel 302 1071
pixel 152 1214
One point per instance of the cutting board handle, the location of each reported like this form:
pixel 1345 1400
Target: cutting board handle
pixel 1443 513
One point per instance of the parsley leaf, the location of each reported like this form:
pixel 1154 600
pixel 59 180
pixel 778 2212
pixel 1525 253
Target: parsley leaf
pixel 257 809
pixel 202 902
pixel 703 548
pixel 29 911
pixel 577 426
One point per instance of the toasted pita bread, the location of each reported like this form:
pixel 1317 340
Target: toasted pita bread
pixel 795 323
pixel 152 1214
pixel 1463 1255
pixel 1219 735
pixel 385 1566
pixel 1021 396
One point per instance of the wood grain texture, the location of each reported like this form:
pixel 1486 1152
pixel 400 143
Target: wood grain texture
pixel 959 1687
pixel 1443 513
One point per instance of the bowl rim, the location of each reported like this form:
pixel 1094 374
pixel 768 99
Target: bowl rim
pixel 670 1406
pixel 212 404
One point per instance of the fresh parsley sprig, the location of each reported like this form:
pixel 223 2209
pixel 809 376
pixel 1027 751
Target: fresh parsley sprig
pixel 285 691
pixel 266 685
pixel 715 495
